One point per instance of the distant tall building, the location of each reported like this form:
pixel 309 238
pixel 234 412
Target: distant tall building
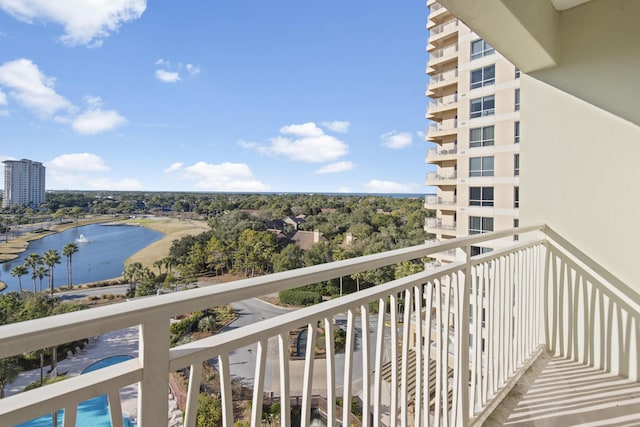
pixel 23 183
pixel 475 110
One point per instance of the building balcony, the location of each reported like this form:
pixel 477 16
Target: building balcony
pixel 436 10
pixel 446 127
pixel 443 30
pixel 436 225
pixel 442 54
pixel 441 80
pixel 440 105
pixel 435 202
pixel 441 178
pixel 438 155
pixel 426 358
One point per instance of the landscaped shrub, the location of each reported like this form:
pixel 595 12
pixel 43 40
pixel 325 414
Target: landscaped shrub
pixel 300 298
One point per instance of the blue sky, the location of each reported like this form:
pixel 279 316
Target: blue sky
pixel 216 95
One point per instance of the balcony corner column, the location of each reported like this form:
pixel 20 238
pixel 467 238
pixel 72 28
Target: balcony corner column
pixel 153 390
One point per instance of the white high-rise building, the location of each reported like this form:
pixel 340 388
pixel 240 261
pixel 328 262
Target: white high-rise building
pixel 475 110
pixel 24 182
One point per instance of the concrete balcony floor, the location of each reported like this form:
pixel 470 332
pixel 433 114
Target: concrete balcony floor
pixel 557 391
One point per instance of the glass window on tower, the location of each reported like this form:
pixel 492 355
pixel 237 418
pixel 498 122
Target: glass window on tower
pixel 481 166
pixel 484 106
pixel 483 76
pixel 480 48
pixel 481 137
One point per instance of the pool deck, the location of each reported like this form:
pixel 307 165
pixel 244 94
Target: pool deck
pixel 115 343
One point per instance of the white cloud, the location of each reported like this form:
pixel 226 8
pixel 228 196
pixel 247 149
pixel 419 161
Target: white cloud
pixel 3 158
pixel 225 176
pixel 96 121
pixel 336 167
pixel 170 73
pixel 175 167
pixel 247 144
pixel 396 140
pixel 339 126
pixel 78 170
pixel 344 189
pixel 192 69
pixel 305 143
pixel 84 22
pixel 78 162
pixel 31 88
pixel 167 76
pixel 378 186
pixel 93 102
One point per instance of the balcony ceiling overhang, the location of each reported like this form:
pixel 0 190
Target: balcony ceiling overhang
pixel 525 32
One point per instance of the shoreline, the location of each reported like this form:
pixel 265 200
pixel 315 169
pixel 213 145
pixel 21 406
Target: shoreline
pixel 12 248
pixel 171 228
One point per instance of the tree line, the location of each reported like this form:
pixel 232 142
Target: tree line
pixel 240 242
pixel 42 266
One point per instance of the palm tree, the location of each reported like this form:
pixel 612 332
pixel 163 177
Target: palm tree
pixel 19 271
pixel 158 265
pixel 68 251
pixel 51 258
pixel 133 273
pixel 32 261
pixel 41 272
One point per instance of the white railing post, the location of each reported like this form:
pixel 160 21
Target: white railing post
pixel 153 401
pixel 464 409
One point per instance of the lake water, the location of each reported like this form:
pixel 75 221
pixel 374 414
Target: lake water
pixel 101 255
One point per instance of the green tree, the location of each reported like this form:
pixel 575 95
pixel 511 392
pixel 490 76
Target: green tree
pixel 19 271
pixel 289 258
pixel 9 370
pixel 158 264
pixel 218 255
pixel 77 212
pixel 209 411
pixel 32 261
pixel 133 273
pixel 255 249
pixel 68 251
pixel 51 258
pixel 41 272
pixel 407 268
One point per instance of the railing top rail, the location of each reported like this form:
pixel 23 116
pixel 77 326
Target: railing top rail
pixel 25 336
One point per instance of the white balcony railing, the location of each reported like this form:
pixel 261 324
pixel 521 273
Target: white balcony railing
pixel 445 100
pixel 439 224
pixel 442 28
pixel 540 293
pixel 433 152
pixel 445 51
pixel 443 77
pixel 435 200
pixel 433 176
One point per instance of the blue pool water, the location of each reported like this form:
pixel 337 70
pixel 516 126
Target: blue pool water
pixel 93 412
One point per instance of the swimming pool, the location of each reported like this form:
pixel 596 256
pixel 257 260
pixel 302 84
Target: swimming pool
pixel 93 412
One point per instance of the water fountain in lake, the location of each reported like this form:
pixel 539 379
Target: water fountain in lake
pixel 82 239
